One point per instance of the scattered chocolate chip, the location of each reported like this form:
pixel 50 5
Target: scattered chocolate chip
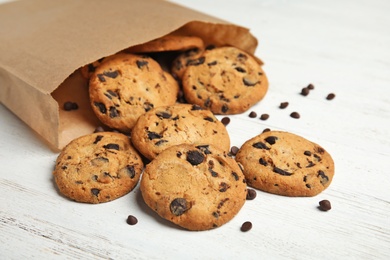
pixel 330 96
pixel 141 63
pixel 307 153
pixel 295 115
pixel 95 191
pixel 131 220
pixel 253 114
pixel 225 120
pixel 283 105
pixel 264 116
pixel 305 91
pixel 246 226
pixel 111 74
pixel 68 106
pixel 260 145
pixel 266 130
pixel 98 139
pixel 234 150
pixel 178 206
pixel 324 205
pixel 251 194
pixel 111 146
pixel 310 86
pixel 281 172
pixel 271 139
pixel 195 157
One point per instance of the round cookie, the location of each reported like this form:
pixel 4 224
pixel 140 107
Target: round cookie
pixel 168 43
pixel 183 60
pixel 225 80
pixel 98 167
pixel 195 187
pixel 286 164
pixel 163 127
pixel 125 86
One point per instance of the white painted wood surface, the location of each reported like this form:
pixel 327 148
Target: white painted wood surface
pixel 339 46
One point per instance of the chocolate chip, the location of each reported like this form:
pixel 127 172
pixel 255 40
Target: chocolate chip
pixel 163 114
pixel 264 116
pixel 281 172
pixel 239 69
pixel 305 91
pixel 310 86
pixel 213 173
pixel 307 153
pixel 330 96
pixel 324 179
pixel 283 105
pixel 253 114
pixel 266 130
pixel 235 176
pixel 246 226
pixel 263 162
pixel 224 108
pixel 141 63
pixel 225 120
pixel 102 108
pixel 101 78
pixel 160 142
pixel 68 106
pixel 195 157
pixel 148 106
pixel 249 82
pixel 207 102
pixel 196 62
pixel 130 171
pixel 113 112
pixel 95 191
pixel 98 138
pixel 178 206
pixel 325 205
pixel 213 63
pixel 111 74
pixel 260 145
pixel 204 148
pixel 196 107
pixel 295 115
pixel 153 135
pixel 111 146
pixel 223 186
pixel 210 119
pixel 271 139
pixel 131 220
pixel 234 150
pixel 251 194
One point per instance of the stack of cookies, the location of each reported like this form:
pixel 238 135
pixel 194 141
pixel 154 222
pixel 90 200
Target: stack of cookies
pixel 161 99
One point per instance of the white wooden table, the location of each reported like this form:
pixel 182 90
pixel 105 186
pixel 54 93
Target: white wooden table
pixel 339 46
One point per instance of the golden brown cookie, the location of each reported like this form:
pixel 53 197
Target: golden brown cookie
pixel 126 86
pixel 163 127
pixel 168 43
pixel 97 168
pixel 195 187
pixel 286 164
pixel 225 80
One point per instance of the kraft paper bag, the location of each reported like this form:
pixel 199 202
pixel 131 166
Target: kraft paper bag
pixel 43 43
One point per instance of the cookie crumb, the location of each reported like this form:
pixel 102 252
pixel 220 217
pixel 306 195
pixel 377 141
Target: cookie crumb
pixel 283 105
pixel 131 220
pixel 253 114
pixel 330 96
pixel 295 115
pixel 225 121
pixel 246 226
pixel 324 205
pixel 251 194
pixel 68 106
pixel 264 116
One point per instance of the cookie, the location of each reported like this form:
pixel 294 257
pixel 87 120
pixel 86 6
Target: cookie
pixel 126 86
pixel 195 187
pixel 183 60
pixel 225 80
pixel 286 164
pixel 163 127
pixel 168 43
pixel 98 167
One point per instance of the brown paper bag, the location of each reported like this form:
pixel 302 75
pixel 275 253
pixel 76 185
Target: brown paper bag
pixel 43 43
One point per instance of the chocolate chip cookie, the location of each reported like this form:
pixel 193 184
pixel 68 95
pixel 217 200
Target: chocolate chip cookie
pixel 125 86
pixel 97 168
pixel 166 126
pixel 195 187
pixel 286 164
pixel 225 80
